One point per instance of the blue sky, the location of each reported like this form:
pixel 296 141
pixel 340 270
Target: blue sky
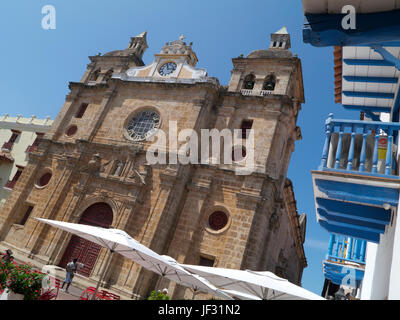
pixel 37 65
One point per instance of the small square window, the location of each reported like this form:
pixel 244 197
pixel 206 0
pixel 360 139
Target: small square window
pixel 26 216
pixel 206 262
pixel 81 110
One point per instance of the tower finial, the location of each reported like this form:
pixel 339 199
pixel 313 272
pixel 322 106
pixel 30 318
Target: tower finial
pixel 282 30
pixel 280 39
pixel 139 44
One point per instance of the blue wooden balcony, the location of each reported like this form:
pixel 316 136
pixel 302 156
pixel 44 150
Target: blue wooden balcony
pixel 360 146
pixel 357 184
pixel 346 250
pixel 345 261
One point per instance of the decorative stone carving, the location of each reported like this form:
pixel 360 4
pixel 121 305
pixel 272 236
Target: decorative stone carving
pixel 140 177
pixel 282 265
pixel 274 220
pixel 95 166
pixel 118 168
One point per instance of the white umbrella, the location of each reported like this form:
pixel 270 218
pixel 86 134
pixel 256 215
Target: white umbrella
pixel 263 284
pixel 113 239
pixel 119 241
pixel 241 295
pixel 172 270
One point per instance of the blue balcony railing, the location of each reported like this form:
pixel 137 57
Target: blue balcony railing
pixel 344 249
pixel 360 146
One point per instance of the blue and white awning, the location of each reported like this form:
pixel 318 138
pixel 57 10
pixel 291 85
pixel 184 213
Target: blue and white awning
pixel 362 6
pixel 354 205
pixel 375 20
pixel 369 82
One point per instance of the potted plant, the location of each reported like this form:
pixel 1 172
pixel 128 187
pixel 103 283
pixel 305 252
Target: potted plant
pixel 26 282
pixel 20 281
pixel 158 295
pixel 3 274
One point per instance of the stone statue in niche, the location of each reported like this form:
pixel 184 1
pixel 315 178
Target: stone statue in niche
pixel 141 176
pixel 282 266
pixel 94 166
pixel 137 176
pixel 118 168
pixel 274 218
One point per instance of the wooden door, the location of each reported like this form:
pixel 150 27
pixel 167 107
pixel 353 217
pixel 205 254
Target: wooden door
pixel 100 215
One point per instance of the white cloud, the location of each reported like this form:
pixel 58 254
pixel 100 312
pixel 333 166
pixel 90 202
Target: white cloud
pixel 316 244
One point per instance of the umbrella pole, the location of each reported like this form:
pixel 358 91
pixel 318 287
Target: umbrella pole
pixel 159 281
pixel 102 274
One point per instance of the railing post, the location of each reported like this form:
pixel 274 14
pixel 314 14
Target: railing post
pixel 339 148
pixel 357 250
pixel 376 152
pixel 325 151
pixel 363 150
pixel 336 251
pixel 362 253
pixel 349 254
pixel 351 150
pixel 330 247
pixel 343 246
pixel 388 170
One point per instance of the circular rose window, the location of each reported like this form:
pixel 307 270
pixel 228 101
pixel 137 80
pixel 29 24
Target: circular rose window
pixel 143 124
pixel 44 179
pixel 71 130
pixel 218 220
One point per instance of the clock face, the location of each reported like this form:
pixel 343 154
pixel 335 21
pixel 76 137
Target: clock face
pixel 167 68
pixel 143 124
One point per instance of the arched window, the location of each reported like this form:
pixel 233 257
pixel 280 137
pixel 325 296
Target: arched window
pixel 248 82
pixel 108 75
pixel 95 75
pixel 269 83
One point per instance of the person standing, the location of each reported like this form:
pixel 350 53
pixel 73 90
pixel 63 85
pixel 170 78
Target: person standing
pixel 71 269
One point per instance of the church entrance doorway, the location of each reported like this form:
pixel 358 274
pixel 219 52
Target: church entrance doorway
pixel 100 215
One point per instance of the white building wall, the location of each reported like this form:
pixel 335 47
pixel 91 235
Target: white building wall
pixel 378 265
pixel 382 278
pixel 28 127
pixel 366 287
pixel 394 285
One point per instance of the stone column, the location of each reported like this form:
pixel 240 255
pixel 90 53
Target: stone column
pixel 61 119
pixel 39 237
pixel 62 238
pixel 95 123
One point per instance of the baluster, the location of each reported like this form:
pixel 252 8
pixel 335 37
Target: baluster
pixel 336 251
pixel 388 169
pixel 363 150
pixel 376 152
pixel 351 150
pixel 357 250
pixel 362 253
pixel 343 246
pixel 350 249
pixel 339 148
pixel 325 151
pixel 330 247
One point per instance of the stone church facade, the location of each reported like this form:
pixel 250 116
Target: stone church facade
pixel 94 160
